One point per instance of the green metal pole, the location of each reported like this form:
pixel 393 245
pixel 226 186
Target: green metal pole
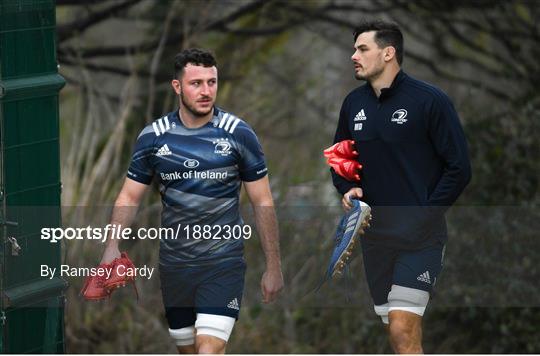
pixel 32 307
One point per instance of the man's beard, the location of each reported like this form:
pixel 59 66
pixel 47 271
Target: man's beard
pixel 192 109
pixel 370 76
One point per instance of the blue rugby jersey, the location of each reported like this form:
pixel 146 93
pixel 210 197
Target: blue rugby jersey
pixel 200 173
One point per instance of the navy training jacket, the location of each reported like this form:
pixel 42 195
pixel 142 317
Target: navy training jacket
pixel 414 156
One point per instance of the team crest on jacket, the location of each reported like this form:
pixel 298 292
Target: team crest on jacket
pixel 222 146
pixel 399 116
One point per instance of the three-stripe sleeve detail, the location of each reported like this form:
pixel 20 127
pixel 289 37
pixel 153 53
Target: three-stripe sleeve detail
pixel 228 122
pixel 161 125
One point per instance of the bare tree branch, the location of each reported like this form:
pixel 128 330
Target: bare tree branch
pixel 270 31
pixel 77 83
pixel 65 31
pixel 153 44
pixel 154 64
pixel 318 14
pixel 103 68
pixel 78 2
pixel 124 72
pixel 344 8
pixel 462 80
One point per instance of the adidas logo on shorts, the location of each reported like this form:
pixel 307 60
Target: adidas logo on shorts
pixel 164 151
pixel 424 277
pixel 233 304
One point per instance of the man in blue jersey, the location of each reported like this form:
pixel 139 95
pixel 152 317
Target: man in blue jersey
pixel 201 155
pixel 415 165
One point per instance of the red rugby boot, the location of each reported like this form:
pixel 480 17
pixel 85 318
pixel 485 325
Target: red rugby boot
pixel 123 272
pixel 347 168
pixel 94 288
pixel 343 149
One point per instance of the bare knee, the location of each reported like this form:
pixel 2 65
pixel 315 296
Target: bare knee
pixel 213 332
pixel 205 344
pixel 207 348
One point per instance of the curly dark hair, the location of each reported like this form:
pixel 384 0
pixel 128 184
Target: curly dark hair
pixel 194 56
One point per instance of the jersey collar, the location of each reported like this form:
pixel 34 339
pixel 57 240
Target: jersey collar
pixel 215 118
pixel 213 121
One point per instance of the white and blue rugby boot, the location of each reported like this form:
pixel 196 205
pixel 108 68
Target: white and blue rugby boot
pixel 351 226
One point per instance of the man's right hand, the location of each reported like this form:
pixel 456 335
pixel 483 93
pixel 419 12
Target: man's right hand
pixel 123 214
pixel 352 193
pixel 111 252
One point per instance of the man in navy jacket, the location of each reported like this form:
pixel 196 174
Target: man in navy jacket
pixel 415 165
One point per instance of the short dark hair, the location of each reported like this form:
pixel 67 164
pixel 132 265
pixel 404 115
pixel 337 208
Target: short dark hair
pixel 195 56
pixel 386 34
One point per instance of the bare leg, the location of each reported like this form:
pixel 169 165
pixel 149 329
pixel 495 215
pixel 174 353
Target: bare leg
pixel 405 331
pixel 187 349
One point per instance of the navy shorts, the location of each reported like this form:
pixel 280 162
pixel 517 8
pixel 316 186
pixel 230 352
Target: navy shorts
pixel 214 289
pixel 384 266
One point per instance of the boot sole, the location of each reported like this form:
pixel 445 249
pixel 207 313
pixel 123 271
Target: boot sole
pixel 344 258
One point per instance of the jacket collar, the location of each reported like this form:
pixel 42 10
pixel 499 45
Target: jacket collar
pixel 387 92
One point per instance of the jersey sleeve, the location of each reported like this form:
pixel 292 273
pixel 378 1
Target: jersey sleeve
pixel 140 169
pixel 252 163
